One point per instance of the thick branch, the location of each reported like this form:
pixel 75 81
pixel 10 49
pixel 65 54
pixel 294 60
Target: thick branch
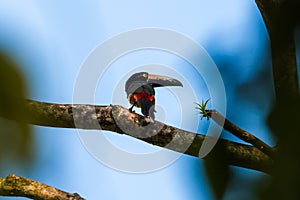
pixel 120 120
pixel 14 185
pixel 280 18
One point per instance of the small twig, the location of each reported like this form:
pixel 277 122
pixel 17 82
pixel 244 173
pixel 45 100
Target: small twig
pixel 239 132
pixel 234 129
pixel 17 186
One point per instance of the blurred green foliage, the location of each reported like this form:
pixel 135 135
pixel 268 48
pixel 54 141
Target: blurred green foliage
pixel 284 122
pixel 15 135
pixel 218 171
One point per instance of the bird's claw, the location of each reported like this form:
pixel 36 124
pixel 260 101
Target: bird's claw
pixel 146 120
pixel 130 110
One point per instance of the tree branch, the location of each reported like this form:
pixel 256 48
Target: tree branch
pixel 280 18
pixel 120 120
pixel 239 132
pixel 14 185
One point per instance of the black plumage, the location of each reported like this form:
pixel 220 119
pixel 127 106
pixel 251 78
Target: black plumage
pixel 140 90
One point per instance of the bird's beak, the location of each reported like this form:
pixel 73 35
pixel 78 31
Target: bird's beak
pixel 161 81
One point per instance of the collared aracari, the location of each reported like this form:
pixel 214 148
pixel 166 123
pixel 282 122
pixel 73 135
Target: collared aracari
pixel 140 90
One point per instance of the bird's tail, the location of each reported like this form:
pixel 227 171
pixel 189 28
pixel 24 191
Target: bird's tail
pixel 147 107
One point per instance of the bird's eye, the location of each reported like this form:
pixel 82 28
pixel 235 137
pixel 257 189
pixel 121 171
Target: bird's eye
pixel 145 75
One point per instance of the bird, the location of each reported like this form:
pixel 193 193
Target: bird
pixel 140 91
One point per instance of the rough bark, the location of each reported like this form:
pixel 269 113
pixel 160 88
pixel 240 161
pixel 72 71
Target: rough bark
pixel 120 120
pixel 17 186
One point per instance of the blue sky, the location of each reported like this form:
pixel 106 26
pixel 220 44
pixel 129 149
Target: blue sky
pixel 52 39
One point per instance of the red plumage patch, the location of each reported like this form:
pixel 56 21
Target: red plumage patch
pixel 143 94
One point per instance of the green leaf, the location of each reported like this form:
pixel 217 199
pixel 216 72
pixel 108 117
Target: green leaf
pixel 202 108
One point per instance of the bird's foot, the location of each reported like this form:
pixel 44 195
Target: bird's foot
pixel 131 110
pixel 147 120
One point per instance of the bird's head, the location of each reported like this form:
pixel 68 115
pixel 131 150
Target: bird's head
pixel 143 78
